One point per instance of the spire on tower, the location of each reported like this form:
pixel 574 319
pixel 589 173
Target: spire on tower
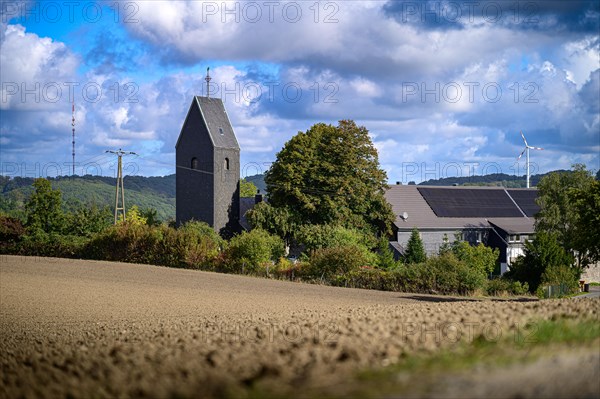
pixel 207 78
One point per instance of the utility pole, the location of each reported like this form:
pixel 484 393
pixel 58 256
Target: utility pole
pixel 118 208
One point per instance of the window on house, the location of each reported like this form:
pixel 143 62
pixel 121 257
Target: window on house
pixel 514 238
pixel 226 164
pixel 194 163
pixel 221 131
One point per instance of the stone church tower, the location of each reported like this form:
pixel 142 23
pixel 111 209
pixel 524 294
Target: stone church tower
pixel 208 168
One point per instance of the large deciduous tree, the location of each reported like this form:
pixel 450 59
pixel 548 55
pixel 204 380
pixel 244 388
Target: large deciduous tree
pixel 587 226
pixel 43 209
pixel 565 211
pixel 331 175
pixel 542 253
pixel 247 189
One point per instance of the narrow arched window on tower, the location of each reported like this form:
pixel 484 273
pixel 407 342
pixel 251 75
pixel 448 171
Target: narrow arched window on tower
pixel 226 163
pixel 194 163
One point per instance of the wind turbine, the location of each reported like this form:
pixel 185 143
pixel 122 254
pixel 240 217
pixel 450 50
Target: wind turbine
pixel 526 150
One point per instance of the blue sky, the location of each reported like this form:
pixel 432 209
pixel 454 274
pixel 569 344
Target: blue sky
pixel 444 87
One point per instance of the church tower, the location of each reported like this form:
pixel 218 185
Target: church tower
pixel 208 167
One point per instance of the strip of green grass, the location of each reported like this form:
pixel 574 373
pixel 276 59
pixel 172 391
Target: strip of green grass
pixel 414 373
pixel 521 347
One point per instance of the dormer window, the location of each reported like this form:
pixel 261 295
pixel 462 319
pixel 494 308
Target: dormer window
pixel 194 164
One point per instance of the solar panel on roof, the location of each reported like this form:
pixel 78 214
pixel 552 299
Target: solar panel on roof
pixel 526 201
pixel 469 202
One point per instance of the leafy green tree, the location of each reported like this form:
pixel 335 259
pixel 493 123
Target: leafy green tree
pixel 415 251
pixel 558 212
pixel 86 220
pixel 196 244
pixel 318 236
pixel 586 203
pixel 563 274
pixel 335 261
pixel 44 209
pixel 133 216
pixel 479 258
pixel 249 250
pixel 247 189
pixel 151 216
pixel 543 252
pixel 331 175
pixel 280 221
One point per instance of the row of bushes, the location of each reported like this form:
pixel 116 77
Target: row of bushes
pixel 195 245
pixel 443 274
pixel 333 254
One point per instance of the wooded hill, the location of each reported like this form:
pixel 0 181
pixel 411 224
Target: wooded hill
pixel 145 192
pixel 159 192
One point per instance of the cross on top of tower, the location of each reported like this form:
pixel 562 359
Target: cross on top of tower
pixel 208 79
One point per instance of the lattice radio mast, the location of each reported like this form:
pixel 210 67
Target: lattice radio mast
pixel 73 129
pixel 120 186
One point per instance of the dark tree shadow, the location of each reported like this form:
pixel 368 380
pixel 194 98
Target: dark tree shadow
pixel 431 298
pixel 439 299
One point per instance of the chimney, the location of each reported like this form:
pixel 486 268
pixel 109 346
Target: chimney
pixel 258 197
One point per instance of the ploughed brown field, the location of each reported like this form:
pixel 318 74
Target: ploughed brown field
pixel 101 329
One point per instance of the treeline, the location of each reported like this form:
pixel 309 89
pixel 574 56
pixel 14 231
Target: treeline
pixel 493 179
pixel 156 193
pixel 160 185
pixel 332 255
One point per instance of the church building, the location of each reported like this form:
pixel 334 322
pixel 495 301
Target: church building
pixel 208 168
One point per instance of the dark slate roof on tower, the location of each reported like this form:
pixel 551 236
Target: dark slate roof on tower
pixel 217 121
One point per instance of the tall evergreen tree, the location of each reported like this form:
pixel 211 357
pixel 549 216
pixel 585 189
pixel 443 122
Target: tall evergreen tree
pixel 415 251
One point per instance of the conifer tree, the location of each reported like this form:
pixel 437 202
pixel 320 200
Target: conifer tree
pixel 415 251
